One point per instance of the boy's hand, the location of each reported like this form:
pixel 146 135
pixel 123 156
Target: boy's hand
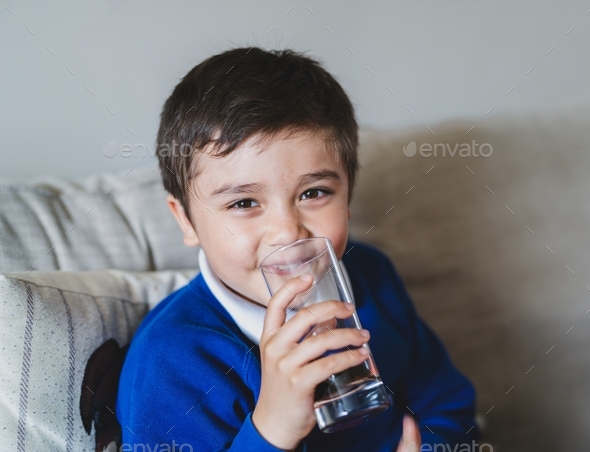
pixel 410 440
pixel 284 413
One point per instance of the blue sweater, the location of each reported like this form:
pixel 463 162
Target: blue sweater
pixel 192 377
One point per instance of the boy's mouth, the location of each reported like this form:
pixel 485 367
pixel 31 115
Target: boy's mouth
pixel 286 267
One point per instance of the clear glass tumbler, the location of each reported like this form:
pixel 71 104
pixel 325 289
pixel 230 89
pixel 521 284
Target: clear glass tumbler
pixel 352 396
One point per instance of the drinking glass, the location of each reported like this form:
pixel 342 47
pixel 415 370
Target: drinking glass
pixel 354 395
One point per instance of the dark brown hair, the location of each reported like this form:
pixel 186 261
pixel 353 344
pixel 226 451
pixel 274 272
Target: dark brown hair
pixel 244 92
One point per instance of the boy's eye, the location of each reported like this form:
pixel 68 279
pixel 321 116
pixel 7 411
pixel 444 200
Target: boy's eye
pixel 314 192
pixel 242 204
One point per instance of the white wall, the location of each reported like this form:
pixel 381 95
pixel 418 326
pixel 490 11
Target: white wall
pixel 442 60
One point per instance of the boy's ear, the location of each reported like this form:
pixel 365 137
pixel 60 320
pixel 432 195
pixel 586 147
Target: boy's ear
pixel 189 233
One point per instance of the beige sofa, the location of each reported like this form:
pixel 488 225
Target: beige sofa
pixel 494 251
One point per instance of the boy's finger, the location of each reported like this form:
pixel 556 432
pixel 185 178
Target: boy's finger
pixel 277 306
pixel 316 346
pixel 323 313
pixel 410 440
pixel 319 370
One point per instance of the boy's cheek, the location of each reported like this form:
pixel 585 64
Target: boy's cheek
pixel 340 237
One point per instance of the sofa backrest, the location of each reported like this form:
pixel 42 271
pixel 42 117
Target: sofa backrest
pixel 495 252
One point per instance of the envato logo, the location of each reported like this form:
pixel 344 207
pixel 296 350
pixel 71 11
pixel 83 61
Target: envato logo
pixel 127 150
pixel 140 447
pixel 464 447
pixel 462 150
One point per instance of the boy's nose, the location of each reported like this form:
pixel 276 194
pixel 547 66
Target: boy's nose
pixel 285 227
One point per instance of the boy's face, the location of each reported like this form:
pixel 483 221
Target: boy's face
pixel 237 229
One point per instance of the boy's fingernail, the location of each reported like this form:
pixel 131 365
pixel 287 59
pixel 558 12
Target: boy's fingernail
pixel 349 306
pixel 365 333
pixel 306 277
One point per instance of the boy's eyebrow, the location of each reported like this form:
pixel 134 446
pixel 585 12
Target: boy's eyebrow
pixel 304 179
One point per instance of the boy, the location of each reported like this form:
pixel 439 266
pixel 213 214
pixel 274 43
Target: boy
pixel 214 366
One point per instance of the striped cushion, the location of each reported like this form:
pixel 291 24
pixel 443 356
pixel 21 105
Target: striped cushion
pixel 107 221
pixel 51 323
